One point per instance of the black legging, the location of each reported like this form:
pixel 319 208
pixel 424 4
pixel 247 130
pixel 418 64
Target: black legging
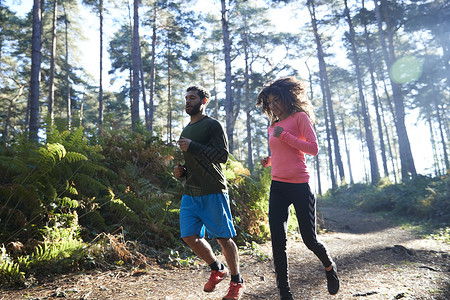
pixel 282 195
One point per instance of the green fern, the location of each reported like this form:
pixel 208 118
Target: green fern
pixel 75 157
pixel 144 186
pixel 10 273
pixel 75 138
pixel 122 211
pixel 95 219
pixel 49 156
pixel 88 182
pixel 67 202
pixel 13 164
pixel 156 210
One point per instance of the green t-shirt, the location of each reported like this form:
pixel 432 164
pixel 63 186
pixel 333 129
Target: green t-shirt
pixel 209 148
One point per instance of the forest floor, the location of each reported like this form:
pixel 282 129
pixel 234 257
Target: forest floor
pixel 376 260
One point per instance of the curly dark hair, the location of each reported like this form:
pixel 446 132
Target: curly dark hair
pixel 201 91
pixel 292 94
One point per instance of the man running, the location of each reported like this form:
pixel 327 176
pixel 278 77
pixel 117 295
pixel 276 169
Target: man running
pixel 205 204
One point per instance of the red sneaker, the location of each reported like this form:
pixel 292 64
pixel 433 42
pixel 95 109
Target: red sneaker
pixel 214 279
pixel 235 291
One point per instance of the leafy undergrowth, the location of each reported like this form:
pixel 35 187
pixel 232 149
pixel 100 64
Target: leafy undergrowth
pixel 62 202
pixel 79 201
pixel 422 203
pixel 55 257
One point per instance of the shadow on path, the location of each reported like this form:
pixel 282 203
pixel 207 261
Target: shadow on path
pixel 375 259
pixel 351 221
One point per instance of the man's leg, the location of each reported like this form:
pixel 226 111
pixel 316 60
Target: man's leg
pixel 201 247
pixel 203 250
pixel 230 251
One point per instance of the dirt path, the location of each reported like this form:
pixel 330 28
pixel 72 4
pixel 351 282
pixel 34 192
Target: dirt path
pixel 375 259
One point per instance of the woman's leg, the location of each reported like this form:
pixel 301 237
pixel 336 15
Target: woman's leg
pixel 278 218
pixel 305 208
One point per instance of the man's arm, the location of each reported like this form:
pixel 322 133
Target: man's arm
pixel 217 149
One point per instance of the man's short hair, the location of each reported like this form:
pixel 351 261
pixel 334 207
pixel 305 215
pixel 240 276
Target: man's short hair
pixel 201 91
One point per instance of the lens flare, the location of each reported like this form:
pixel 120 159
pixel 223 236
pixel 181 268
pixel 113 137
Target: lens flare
pixel 406 69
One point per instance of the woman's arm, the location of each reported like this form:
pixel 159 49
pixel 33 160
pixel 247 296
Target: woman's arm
pixel 309 145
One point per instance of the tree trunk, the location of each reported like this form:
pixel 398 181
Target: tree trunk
pixel 347 151
pixel 437 169
pixel 51 94
pixel 316 158
pixel 326 90
pixel 144 97
pixel 228 90
pixel 135 61
pixel 247 99
pixel 441 132
pixel 81 111
pixel 152 72
pixel 68 102
pixel 363 155
pixel 375 99
pixel 100 92
pixel 327 130
pixel 216 101
pixel 35 71
pixel 169 95
pixel 374 171
pixel 388 140
pixel 408 168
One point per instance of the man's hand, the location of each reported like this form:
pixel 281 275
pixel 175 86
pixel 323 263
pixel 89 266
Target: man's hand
pixel 277 131
pixel 178 170
pixel 184 143
pixel 266 161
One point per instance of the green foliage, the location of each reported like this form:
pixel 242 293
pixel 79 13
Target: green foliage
pixel 59 250
pixel 122 211
pixel 72 188
pixel 149 194
pixel 10 273
pixel 46 179
pixel 249 201
pixel 421 199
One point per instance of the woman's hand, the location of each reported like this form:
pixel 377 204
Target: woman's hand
pixel 277 131
pixel 266 161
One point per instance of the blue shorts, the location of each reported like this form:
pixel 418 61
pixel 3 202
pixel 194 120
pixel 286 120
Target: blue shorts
pixel 210 212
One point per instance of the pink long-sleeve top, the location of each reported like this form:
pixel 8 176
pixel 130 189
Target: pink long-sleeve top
pixel 288 150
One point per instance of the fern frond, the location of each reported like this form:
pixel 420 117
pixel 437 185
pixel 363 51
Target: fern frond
pixel 145 186
pixel 72 190
pixel 10 272
pixel 157 210
pixel 63 135
pixel 53 135
pixel 120 209
pixel 75 139
pixel 57 150
pixel 47 157
pixel 75 156
pixel 67 202
pixel 92 168
pixel 13 164
pixel 88 182
pixel 47 188
pixel 96 220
